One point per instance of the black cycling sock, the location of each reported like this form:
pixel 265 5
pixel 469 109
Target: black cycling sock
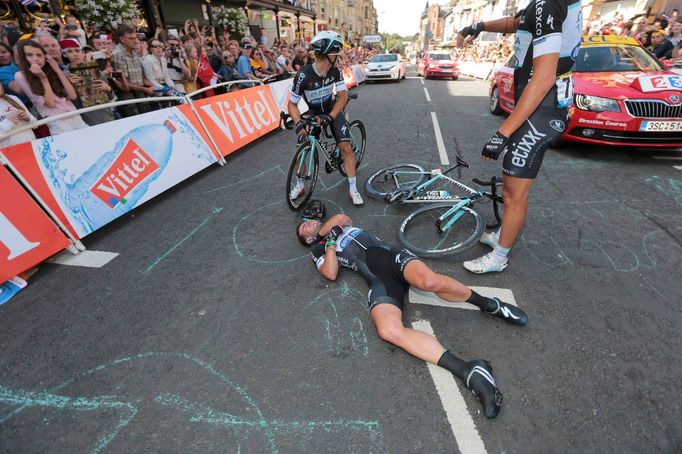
pixel 483 303
pixel 453 364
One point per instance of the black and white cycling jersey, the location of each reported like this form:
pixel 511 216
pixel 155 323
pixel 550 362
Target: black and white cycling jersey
pixel 317 91
pixel 547 26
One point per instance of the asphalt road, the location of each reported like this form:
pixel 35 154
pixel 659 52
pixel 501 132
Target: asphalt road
pixel 212 331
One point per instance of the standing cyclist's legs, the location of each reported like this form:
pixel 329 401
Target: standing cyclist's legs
pixel 515 193
pixel 341 131
pixel 522 160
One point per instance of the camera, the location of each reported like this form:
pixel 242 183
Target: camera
pixel 174 51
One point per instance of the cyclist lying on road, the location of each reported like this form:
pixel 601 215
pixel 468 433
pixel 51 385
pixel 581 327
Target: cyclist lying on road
pixel 389 272
pixel 316 82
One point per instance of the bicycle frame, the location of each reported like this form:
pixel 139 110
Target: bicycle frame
pixel 453 214
pixel 314 140
pixel 434 179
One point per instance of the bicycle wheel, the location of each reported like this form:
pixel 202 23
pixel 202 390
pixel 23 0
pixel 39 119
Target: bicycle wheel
pixel 419 232
pixel 302 171
pixel 358 140
pixel 388 179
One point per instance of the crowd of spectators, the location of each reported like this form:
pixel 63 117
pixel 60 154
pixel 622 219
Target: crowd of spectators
pixel 58 67
pixel 660 36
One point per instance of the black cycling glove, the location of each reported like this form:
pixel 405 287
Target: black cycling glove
pixel 300 126
pixel 472 30
pixel 325 119
pixel 332 236
pixel 495 145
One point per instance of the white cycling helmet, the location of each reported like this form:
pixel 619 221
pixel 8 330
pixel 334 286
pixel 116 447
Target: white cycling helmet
pixel 327 43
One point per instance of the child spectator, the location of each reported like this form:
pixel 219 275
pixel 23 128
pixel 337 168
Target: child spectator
pixel 13 114
pixel 47 87
pixel 89 82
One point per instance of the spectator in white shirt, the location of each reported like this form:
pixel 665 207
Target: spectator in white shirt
pixel 155 68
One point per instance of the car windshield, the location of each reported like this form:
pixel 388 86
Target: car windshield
pixel 384 58
pixel 615 59
pixel 440 57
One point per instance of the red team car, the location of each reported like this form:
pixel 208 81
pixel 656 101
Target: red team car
pixel 438 64
pixel 622 95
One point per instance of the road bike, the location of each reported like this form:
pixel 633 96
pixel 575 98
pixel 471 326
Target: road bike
pixel 449 223
pixel 305 163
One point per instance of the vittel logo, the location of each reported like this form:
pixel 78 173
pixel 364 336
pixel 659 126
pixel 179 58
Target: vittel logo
pixel 130 168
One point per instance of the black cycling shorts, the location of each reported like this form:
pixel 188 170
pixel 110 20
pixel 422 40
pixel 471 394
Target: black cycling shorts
pixel 387 285
pixel 340 127
pixel 526 147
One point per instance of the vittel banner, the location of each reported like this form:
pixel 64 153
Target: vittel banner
pixel 235 119
pixel 92 176
pixel 27 235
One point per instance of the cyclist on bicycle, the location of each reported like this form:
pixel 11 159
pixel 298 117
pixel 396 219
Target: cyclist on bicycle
pixel 389 272
pixel 316 83
pixel 547 41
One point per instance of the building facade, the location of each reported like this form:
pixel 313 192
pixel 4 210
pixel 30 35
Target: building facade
pixel 352 19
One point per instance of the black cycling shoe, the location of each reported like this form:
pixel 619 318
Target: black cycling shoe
pixel 328 168
pixel 508 313
pixel 480 380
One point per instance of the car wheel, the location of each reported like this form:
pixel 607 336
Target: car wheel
pixel 495 102
pixel 454 77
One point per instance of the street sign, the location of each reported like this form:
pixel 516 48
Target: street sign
pixel 371 38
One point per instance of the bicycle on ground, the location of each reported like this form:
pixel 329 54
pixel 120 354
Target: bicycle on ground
pixel 449 223
pixel 305 163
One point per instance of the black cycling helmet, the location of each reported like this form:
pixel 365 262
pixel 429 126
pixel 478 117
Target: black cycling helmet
pixel 327 43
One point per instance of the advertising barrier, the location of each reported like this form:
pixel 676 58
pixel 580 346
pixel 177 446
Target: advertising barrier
pixel 86 178
pixel 348 78
pixel 478 70
pixel 89 177
pixel 27 235
pixel 358 73
pixel 281 91
pixel 235 119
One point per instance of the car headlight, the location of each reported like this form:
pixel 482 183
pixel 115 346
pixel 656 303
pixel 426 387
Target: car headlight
pixel 395 68
pixel 596 104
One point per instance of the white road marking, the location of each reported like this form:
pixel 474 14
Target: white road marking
pixel 668 158
pixel 88 259
pixel 421 297
pixel 677 167
pixel 439 140
pixel 422 80
pixel 412 77
pixel 461 423
pixel 426 92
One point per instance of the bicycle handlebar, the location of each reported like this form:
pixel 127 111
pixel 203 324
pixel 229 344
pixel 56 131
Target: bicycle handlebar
pixel 494 180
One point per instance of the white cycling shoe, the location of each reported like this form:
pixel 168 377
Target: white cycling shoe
pixel 356 198
pixel 489 263
pixel 297 191
pixel 490 239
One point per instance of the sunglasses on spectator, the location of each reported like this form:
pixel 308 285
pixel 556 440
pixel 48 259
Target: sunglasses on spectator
pixel 157 46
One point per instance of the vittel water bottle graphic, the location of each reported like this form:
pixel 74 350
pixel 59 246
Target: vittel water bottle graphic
pixel 119 179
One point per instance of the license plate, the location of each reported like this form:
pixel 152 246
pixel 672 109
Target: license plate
pixel 663 126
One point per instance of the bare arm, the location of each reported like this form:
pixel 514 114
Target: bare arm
pixel 48 96
pixel 544 76
pixel 294 113
pixel 504 25
pixel 330 267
